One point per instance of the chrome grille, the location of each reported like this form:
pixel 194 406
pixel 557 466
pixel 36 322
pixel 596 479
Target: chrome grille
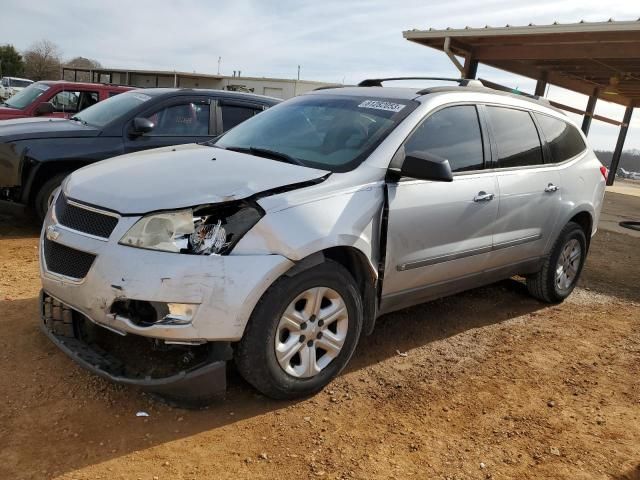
pixel 66 261
pixel 83 219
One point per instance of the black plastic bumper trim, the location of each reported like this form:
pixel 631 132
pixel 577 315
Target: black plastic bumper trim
pixel 189 388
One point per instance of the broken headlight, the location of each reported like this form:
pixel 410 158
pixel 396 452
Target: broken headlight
pixel 208 230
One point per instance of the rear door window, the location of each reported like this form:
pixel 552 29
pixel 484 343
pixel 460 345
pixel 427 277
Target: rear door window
pixel 516 137
pixel 452 133
pixel 87 99
pixel 20 83
pixel 564 140
pixel 234 114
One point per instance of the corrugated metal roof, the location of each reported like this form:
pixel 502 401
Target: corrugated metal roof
pixel 580 56
pixel 610 25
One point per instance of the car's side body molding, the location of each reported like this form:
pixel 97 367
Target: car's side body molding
pixel 400 300
pixel 467 253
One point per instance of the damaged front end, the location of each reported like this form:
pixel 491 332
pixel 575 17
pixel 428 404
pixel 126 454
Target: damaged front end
pixel 142 287
pixel 187 375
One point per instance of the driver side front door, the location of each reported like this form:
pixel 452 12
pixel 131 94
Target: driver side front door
pixel 440 234
pixel 179 121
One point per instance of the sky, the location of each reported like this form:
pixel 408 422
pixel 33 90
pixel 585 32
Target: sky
pixel 332 40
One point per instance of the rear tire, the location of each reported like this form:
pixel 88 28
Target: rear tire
pixel 43 197
pixel 285 359
pixel 561 269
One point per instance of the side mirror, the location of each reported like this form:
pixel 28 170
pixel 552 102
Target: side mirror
pixel 44 108
pixel 426 166
pixel 141 126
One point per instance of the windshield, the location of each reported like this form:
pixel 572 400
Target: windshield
pixel 108 110
pixel 27 96
pixel 19 83
pixel 331 132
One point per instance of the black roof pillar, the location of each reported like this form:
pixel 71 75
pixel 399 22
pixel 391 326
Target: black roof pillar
pixel 622 136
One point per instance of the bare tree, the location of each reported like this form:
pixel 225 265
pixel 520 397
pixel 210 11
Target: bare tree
pixel 81 62
pixel 42 61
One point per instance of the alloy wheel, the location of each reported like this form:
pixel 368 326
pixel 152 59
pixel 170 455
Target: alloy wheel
pixel 568 264
pixel 311 332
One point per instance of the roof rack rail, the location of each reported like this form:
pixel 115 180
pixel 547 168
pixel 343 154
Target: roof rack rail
pixel 463 82
pixel 502 88
pixel 327 87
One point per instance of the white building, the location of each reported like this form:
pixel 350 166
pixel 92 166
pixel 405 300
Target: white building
pixel 273 87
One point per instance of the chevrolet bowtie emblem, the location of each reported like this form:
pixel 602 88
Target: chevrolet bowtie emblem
pixel 52 233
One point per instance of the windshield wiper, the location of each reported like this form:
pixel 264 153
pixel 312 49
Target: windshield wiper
pixel 267 153
pixel 78 119
pixel 276 155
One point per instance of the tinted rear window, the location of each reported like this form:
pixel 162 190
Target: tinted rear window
pixel 564 140
pixel 516 137
pixel 20 83
pixel 233 115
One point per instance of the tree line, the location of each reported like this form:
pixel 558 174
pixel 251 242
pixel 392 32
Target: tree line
pixel 629 160
pixel 43 60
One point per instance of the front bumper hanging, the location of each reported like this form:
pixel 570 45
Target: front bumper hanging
pixel 189 376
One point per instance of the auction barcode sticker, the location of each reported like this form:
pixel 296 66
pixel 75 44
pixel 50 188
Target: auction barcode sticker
pixel 380 105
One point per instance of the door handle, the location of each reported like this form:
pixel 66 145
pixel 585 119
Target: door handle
pixel 483 197
pixel 551 188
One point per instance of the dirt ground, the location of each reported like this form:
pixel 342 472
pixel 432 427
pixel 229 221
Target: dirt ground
pixel 490 384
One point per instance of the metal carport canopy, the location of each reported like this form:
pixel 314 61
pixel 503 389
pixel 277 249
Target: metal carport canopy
pixel 599 59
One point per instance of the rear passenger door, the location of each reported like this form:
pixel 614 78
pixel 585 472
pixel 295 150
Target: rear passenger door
pixel 440 234
pixel 529 189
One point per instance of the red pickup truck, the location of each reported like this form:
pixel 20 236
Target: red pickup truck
pixel 56 99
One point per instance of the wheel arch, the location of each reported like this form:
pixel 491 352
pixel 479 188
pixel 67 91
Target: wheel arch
pixel 361 269
pixel 585 220
pixel 44 172
pixel 583 214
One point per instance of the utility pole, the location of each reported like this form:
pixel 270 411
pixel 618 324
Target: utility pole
pixel 295 84
pixel 219 61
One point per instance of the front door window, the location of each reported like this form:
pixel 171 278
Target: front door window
pixel 184 119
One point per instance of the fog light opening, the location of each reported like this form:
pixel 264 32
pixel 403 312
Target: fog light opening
pixel 179 314
pixel 146 314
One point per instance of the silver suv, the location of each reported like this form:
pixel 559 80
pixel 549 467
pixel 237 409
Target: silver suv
pixel 280 243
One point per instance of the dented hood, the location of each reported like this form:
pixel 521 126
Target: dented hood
pixel 178 177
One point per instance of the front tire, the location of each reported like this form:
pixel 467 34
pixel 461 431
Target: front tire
pixel 43 197
pixel 302 333
pixel 561 269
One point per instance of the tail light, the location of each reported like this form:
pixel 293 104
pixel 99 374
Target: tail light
pixel 604 171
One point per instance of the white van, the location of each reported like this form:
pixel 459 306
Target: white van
pixel 9 86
